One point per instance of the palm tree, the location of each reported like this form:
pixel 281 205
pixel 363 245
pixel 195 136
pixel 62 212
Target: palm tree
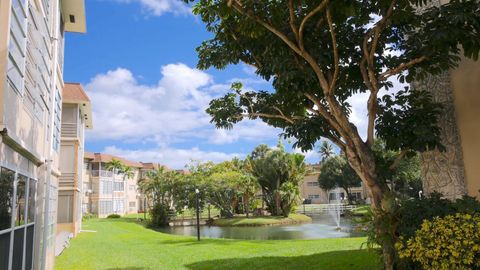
pixel 326 150
pixel 127 172
pixel 114 166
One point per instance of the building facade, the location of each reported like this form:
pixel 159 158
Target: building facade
pixel 76 117
pixel 31 83
pixel 312 193
pixel 110 191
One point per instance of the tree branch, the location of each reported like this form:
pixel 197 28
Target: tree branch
pixel 385 75
pixel 292 20
pixel 305 20
pixel 335 51
pixel 399 159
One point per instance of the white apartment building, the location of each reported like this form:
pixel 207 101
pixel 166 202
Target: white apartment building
pixel 31 83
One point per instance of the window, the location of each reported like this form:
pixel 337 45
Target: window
pixel 313 196
pixel 105 207
pixel 17 46
pixel 132 204
pixel 65 208
pixel 17 219
pixel 336 196
pixel 56 123
pixel 132 187
pixel 118 206
pixel 118 186
pixel 312 184
pixel 106 187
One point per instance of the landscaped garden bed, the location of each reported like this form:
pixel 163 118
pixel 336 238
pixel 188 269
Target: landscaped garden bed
pixel 262 221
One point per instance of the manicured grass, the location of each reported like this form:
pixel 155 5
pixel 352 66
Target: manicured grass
pixel 262 221
pixel 124 244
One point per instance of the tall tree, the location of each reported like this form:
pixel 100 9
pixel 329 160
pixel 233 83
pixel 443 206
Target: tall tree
pixel 127 172
pixel 336 172
pixel 326 150
pixel 319 53
pixel 114 165
pixel 273 169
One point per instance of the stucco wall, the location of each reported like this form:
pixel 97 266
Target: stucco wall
pixel 465 81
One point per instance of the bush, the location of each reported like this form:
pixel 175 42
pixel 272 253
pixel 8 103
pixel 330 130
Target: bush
pixel 159 214
pixel 413 212
pixel 113 216
pixel 87 216
pixel 451 242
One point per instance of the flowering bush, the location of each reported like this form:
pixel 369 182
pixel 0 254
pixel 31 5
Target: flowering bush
pixel 451 242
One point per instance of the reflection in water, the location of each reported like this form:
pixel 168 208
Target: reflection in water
pixel 321 227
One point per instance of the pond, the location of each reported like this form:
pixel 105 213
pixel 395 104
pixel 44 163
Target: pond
pixel 321 227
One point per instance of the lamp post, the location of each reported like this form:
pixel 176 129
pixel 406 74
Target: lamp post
pixel 198 213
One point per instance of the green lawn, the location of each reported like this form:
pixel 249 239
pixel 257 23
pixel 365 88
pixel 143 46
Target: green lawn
pixel 262 221
pixel 123 244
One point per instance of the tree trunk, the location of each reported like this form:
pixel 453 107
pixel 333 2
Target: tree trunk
pixel 362 161
pixel 247 205
pixel 347 192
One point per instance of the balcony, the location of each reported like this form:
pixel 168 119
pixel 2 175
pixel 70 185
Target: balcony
pixel 67 180
pixel 71 130
pixel 101 173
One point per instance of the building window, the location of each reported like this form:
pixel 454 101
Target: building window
pixel 17 46
pixel 313 196
pixel 56 123
pixel 65 208
pixel 132 187
pixel 312 184
pixel 17 219
pixel 105 207
pixel 118 186
pixel 106 187
pixel 336 196
pixel 119 206
pixel 132 204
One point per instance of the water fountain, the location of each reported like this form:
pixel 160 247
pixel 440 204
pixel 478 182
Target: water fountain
pixel 334 209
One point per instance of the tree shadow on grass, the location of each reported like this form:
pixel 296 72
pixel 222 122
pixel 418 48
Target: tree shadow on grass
pixel 334 260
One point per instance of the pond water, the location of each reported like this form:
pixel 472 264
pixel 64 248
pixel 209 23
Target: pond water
pixel 321 227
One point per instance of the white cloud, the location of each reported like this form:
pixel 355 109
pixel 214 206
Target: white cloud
pixel 359 115
pixel 172 157
pixel 160 7
pixel 127 110
pixel 245 130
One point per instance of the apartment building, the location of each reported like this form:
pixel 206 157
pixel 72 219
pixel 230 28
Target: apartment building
pixel 76 117
pixel 31 83
pixel 311 191
pixel 110 191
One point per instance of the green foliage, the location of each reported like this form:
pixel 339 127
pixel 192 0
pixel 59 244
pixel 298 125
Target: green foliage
pixel 279 174
pixel 413 212
pixel 336 172
pixel 113 216
pixel 451 242
pixel 405 217
pixel 159 214
pixel 326 150
pixel 87 216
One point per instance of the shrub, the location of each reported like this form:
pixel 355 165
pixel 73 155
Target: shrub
pixel 159 215
pixel 87 216
pixel 113 216
pixel 451 242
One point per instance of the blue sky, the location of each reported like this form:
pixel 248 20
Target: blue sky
pixel 137 62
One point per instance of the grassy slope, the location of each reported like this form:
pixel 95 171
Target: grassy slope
pixel 262 221
pixel 123 244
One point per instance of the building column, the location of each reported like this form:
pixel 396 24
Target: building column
pixel 443 172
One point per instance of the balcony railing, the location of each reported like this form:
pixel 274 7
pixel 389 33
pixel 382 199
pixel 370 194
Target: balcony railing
pixel 101 173
pixel 71 130
pixel 67 180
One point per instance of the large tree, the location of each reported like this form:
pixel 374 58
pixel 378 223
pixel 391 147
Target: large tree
pixel 336 172
pixel 318 53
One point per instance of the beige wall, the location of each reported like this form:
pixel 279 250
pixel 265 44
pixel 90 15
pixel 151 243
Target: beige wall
pixel 466 84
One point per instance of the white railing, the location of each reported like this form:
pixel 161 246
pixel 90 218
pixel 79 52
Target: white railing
pixel 101 173
pixel 71 130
